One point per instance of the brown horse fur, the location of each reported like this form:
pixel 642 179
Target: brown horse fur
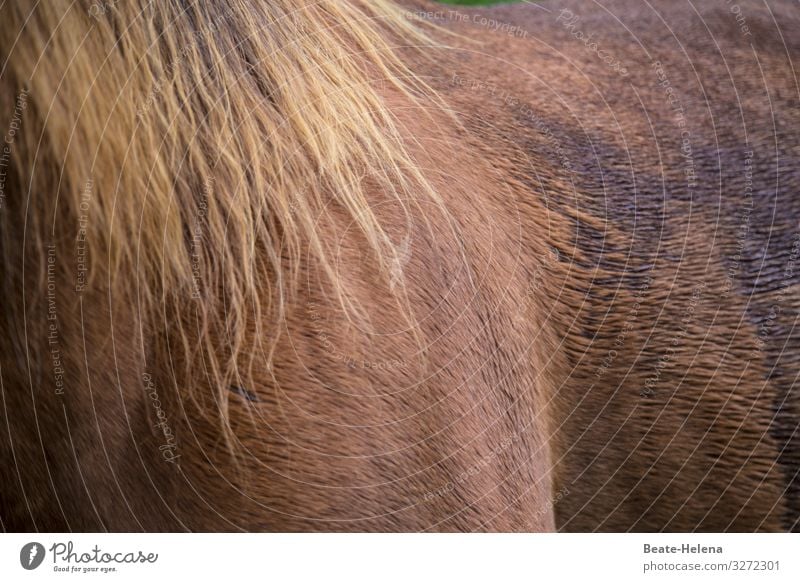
pixel 271 267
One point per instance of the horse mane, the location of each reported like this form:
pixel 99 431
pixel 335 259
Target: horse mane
pixel 193 147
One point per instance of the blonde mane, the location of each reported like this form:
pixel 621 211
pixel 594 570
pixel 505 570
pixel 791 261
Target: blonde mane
pixel 193 147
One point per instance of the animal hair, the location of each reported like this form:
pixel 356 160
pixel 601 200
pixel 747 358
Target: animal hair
pixel 215 137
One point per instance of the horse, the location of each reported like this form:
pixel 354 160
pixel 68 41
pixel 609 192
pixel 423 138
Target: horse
pixel 399 266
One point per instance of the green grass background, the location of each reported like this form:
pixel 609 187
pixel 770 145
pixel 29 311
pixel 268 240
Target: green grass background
pixel 474 2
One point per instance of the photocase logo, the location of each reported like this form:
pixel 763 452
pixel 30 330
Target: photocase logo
pixel 31 555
